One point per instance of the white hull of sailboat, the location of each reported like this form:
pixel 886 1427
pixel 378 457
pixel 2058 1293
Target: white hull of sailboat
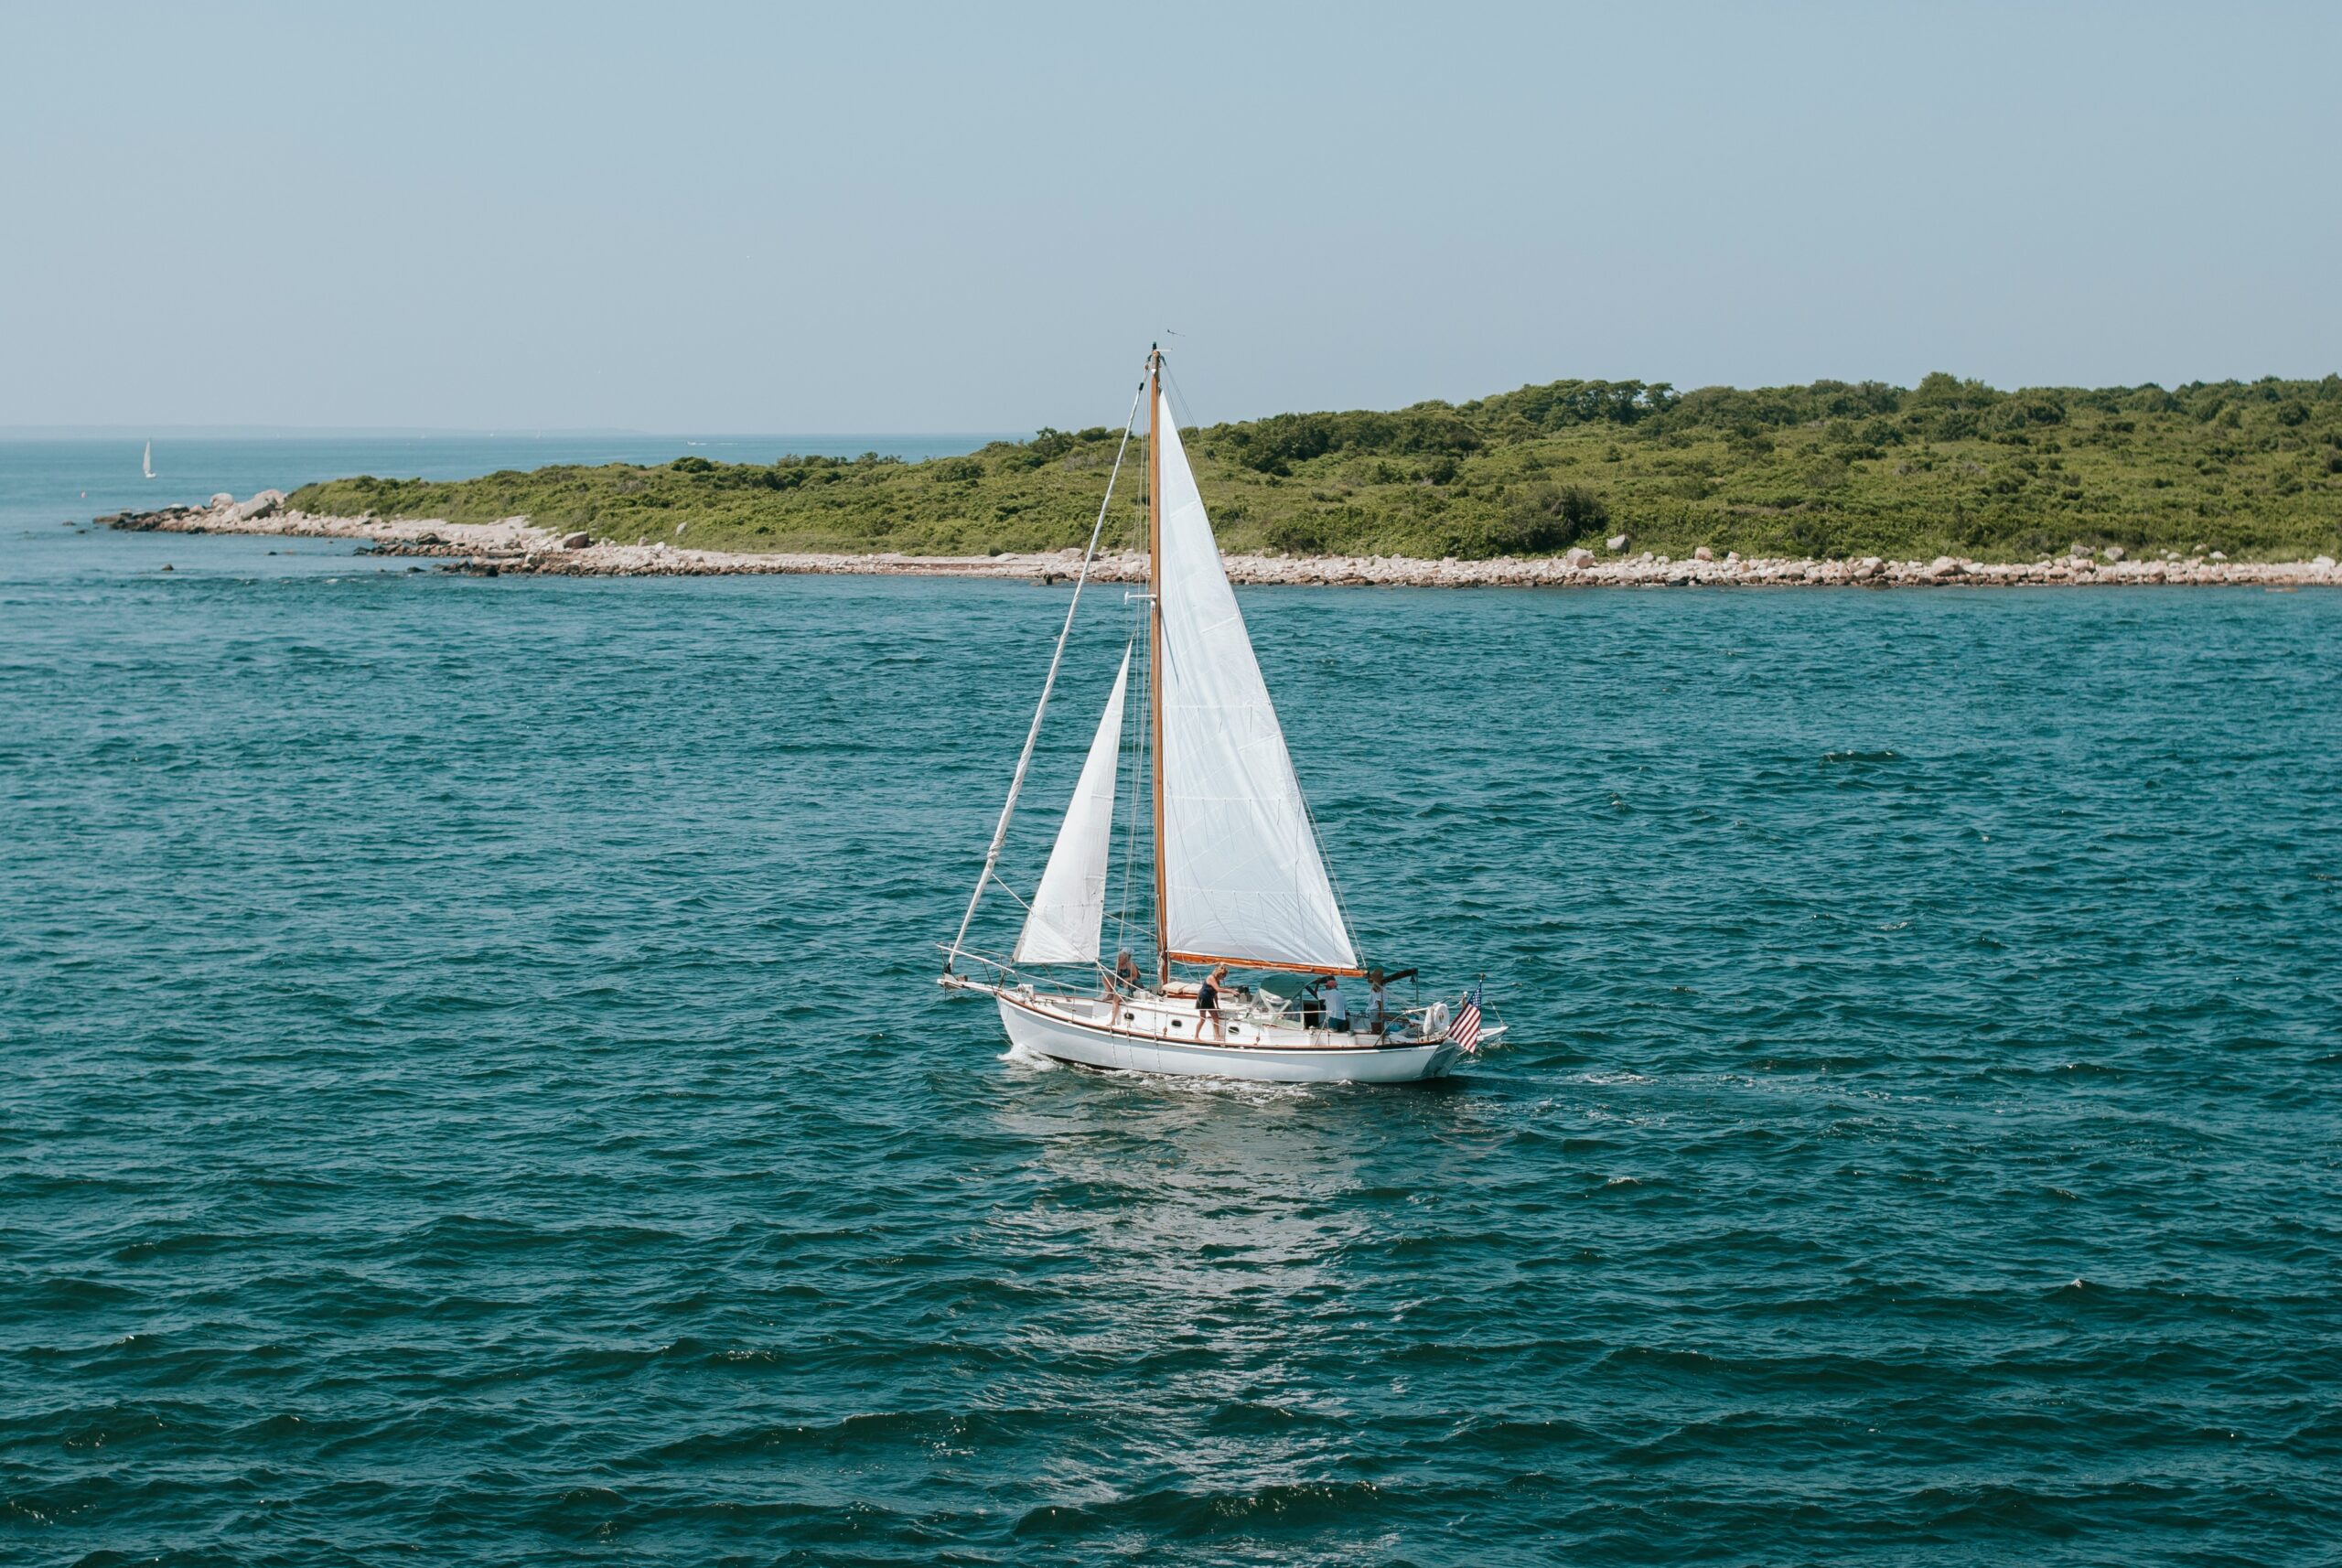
pixel 1042 1031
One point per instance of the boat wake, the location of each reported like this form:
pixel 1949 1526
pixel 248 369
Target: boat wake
pixel 1032 1060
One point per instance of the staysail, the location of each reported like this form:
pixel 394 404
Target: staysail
pixel 1070 906
pixel 1242 876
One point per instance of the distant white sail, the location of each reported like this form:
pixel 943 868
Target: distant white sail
pixel 1243 877
pixel 147 462
pixel 1070 906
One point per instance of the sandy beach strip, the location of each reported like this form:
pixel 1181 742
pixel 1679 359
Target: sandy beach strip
pixel 516 545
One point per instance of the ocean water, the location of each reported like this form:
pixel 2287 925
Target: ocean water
pixel 472 1086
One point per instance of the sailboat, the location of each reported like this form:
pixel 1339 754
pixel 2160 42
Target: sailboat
pixel 147 462
pixel 1239 877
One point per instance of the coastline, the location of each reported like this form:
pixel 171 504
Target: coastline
pixel 516 545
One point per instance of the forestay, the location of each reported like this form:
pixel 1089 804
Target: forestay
pixel 1070 906
pixel 1244 879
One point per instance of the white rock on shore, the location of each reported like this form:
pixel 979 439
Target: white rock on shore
pixel 514 544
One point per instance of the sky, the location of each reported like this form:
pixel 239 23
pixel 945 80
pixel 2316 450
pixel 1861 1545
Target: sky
pixel 870 218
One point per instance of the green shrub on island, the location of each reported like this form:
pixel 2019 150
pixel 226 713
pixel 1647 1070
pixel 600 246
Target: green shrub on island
pixel 1950 466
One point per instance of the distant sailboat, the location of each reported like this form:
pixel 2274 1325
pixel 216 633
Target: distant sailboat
pixel 1239 879
pixel 147 462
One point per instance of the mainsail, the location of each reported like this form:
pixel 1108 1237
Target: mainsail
pixel 1070 904
pixel 1242 878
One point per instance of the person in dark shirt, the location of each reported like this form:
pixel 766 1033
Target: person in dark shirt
pixel 1124 980
pixel 1208 1003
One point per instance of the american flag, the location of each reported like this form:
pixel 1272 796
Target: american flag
pixel 1466 1030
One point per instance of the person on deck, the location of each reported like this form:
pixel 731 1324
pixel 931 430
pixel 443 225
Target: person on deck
pixel 1208 1003
pixel 1338 1007
pixel 1125 980
pixel 1378 1004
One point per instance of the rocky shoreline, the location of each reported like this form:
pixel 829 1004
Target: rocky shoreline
pixel 515 546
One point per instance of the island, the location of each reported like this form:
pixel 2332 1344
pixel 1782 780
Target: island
pixel 1589 480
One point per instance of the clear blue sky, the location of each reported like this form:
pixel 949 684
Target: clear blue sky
pixel 866 218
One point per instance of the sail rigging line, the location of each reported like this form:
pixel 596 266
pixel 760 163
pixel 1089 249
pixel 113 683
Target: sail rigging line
pixel 1182 410
pixel 1317 837
pixel 1048 685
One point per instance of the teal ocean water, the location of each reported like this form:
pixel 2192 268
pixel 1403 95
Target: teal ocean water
pixel 474 1091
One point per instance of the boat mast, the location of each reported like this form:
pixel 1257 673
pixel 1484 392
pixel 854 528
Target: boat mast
pixel 1155 641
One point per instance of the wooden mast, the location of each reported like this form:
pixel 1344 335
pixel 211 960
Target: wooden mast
pixel 1155 642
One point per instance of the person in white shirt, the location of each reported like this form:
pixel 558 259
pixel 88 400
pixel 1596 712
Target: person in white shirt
pixel 1337 1009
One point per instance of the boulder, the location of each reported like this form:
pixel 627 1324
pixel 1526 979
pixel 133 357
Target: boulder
pixel 1579 557
pixel 265 504
pixel 2114 553
pixel 223 499
pixel 2219 555
pixel 2079 551
pixel 578 540
pixel 1616 541
pixel 2324 563
pixel 1703 553
pixel 1942 569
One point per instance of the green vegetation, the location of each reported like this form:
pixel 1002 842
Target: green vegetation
pixel 1947 467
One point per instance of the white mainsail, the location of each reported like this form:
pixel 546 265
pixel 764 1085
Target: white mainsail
pixel 1242 876
pixel 1070 906
pixel 147 462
